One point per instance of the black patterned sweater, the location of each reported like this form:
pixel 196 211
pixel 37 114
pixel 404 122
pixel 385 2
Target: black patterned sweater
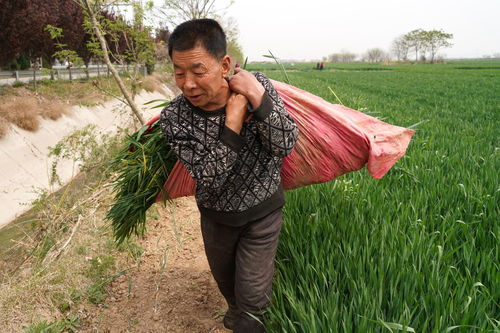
pixel 237 175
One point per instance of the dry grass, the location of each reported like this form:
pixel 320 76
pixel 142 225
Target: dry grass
pixel 22 112
pixel 53 109
pixel 74 93
pixel 162 77
pixel 39 290
pixel 30 298
pixel 4 127
pixel 153 83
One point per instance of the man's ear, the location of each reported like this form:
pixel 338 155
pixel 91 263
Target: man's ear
pixel 226 65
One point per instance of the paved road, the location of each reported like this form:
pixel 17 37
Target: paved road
pixel 26 76
pixel 39 77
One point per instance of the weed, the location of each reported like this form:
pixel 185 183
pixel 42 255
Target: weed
pixel 86 148
pixel 131 321
pixel 96 294
pixel 45 244
pixel 62 302
pixel 68 324
pixel 81 250
pixel 44 280
pixel 98 271
pixel 180 238
pixel 88 104
pixel 135 251
pixel 100 267
pixel 152 213
pixel 76 295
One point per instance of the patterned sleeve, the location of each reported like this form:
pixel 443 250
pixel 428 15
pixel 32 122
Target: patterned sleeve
pixel 278 131
pixel 209 167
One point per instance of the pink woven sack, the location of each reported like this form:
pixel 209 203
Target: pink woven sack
pixel 333 140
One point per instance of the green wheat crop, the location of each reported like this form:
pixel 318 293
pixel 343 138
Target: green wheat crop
pixel 417 250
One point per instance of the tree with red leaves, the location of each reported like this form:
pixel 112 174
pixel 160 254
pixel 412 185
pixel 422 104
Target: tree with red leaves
pixel 23 25
pixel 22 32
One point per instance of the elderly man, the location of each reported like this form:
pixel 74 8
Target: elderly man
pixel 231 133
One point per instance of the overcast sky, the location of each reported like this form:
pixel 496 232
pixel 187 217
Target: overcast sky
pixel 312 29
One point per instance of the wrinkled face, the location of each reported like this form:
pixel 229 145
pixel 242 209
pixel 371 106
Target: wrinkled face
pixel 200 76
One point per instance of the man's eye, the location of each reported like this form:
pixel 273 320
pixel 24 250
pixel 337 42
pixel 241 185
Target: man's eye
pixel 199 73
pixel 179 74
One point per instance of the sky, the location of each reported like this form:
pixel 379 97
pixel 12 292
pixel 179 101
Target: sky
pixel 312 29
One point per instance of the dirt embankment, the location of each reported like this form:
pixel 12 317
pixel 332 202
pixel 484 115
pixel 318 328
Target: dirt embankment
pixel 37 123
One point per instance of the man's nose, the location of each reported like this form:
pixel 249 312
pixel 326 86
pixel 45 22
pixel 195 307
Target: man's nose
pixel 190 82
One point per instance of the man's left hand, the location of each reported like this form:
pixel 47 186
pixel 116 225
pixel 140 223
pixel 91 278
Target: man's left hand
pixel 244 83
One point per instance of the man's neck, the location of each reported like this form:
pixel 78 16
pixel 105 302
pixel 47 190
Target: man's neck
pixel 221 98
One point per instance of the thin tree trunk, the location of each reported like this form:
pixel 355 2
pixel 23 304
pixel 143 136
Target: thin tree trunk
pixel 121 85
pixel 34 78
pixel 87 74
pixel 135 81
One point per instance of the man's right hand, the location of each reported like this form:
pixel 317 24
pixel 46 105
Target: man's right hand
pixel 236 112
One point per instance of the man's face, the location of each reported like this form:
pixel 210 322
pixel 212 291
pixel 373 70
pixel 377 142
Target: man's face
pixel 200 76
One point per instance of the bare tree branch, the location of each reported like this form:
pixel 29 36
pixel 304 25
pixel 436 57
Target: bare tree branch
pixel 97 30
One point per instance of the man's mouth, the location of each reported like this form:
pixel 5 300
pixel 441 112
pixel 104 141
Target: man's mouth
pixel 194 97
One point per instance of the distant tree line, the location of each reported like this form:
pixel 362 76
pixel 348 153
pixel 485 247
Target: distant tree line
pixel 423 44
pixel 342 56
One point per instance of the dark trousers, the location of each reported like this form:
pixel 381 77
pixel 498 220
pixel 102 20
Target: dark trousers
pixel 242 262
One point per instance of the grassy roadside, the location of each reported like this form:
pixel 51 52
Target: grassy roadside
pixel 60 256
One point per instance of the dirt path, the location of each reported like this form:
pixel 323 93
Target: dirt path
pixel 172 290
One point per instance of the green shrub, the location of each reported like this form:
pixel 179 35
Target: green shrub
pixel 18 84
pixel 46 82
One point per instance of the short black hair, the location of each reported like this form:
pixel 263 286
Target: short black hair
pixel 206 32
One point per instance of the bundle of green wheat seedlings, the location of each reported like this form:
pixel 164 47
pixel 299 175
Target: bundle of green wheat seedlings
pixel 143 167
